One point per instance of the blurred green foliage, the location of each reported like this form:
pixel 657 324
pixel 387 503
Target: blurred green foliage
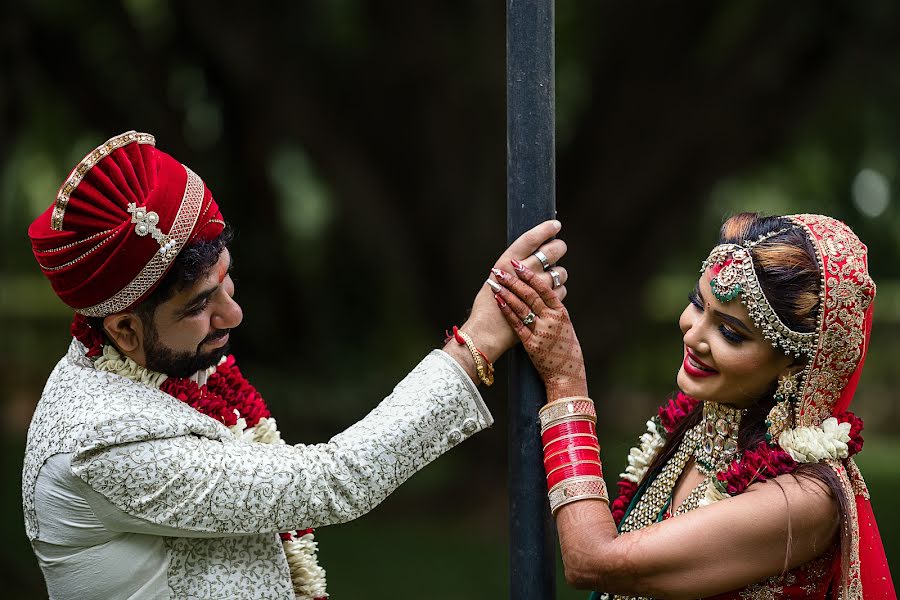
pixel 358 147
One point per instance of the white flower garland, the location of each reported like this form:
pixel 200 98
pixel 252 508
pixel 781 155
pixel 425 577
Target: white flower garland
pixel 307 576
pixel 640 457
pixel 815 444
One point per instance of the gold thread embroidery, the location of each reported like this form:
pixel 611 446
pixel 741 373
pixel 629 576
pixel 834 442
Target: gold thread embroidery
pixel 73 244
pixel 77 259
pixel 846 292
pixel 87 163
pixel 181 229
pixel 851 586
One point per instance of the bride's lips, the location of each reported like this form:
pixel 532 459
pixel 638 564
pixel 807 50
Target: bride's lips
pixel 695 367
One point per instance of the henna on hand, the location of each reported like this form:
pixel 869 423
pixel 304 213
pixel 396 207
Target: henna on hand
pixel 550 339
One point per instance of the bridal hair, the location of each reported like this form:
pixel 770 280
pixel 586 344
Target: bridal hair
pixel 785 263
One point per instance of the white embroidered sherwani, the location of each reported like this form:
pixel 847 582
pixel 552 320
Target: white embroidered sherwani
pixel 130 493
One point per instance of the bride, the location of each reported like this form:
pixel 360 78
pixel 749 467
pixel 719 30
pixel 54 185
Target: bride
pixel 744 485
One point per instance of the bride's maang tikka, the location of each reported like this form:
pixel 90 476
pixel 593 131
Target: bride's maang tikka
pixel 733 275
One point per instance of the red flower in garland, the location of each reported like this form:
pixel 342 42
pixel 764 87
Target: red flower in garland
pixel 238 393
pixel 758 464
pixel 627 490
pixel 856 425
pixel 675 410
pixel 92 339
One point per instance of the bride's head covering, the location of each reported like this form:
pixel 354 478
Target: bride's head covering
pixel 834 351
pixel 830 380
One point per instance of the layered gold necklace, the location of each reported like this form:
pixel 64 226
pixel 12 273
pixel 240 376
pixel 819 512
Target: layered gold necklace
pixel 713 445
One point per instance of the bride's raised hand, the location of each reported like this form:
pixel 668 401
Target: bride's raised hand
pixel 542 323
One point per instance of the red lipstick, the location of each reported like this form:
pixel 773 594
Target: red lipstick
pixel 695 367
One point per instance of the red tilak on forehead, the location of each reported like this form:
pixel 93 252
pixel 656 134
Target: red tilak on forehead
pixel 223 272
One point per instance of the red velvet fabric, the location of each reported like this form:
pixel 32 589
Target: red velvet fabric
pixel 98 252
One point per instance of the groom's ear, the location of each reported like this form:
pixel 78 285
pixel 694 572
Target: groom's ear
pixel 126 331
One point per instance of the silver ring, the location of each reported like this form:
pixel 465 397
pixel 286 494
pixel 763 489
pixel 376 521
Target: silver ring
pixel 554 275
pixel 545 262
pixel 529 318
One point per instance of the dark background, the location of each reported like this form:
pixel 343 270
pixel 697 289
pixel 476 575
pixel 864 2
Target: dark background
pixel 359 149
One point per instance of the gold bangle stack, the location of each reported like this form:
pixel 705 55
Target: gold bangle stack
pixel 483 367
pixel 575 408
pixel 573 489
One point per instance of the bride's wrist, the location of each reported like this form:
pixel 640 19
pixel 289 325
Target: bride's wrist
pixel 566 389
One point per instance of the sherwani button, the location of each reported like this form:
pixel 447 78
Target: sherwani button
pixel 469 426
pixel 455 436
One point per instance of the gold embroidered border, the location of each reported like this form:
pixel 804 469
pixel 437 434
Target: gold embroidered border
pixel 181 229
pixel 851 586
pixel 846 292
pixel 87 163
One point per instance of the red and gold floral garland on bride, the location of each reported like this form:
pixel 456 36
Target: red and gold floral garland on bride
pixel 229 398
pixel 760 463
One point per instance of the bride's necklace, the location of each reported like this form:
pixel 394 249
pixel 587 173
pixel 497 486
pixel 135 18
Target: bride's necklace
pixel 713 445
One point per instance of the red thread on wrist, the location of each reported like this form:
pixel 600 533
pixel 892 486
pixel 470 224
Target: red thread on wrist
pixel 459 340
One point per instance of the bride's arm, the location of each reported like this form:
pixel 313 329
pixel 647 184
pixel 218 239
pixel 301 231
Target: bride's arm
pixel 780 523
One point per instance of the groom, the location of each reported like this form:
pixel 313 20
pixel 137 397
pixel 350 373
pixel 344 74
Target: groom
pixel 153 468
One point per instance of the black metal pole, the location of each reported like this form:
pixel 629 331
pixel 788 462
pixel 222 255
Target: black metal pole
pixel 531 198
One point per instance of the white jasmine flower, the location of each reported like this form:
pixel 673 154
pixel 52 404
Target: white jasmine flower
pixel 815 444
pixel 640 457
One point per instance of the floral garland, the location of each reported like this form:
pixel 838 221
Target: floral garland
pixel 837 438
pixel 227 396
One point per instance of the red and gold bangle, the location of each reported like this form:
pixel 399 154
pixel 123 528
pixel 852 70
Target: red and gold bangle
pixel 567 429
pixel 558 410
pixel 483 366
pixel 574 470
pixel 566 441
pixel 589 487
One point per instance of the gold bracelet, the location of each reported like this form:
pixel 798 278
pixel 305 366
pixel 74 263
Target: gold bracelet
pixel 485 371
pixel 566 407
pixel 583 487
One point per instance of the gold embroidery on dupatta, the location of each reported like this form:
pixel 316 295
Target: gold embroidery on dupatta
pixel 853 583
pixel 846 292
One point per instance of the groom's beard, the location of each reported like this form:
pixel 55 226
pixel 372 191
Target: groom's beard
pixel 162 359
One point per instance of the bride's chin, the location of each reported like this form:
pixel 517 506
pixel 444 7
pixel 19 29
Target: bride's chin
pixel 688 386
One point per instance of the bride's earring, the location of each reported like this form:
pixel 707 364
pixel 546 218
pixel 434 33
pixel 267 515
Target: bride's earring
pixel 780 415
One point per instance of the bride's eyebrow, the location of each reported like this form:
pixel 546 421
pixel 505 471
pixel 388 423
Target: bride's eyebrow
pixel 731 320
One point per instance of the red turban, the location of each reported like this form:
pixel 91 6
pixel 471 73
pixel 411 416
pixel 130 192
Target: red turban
pixel 118 222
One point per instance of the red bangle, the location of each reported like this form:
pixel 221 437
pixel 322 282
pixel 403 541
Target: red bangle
pixel 568 428
pixel 569 456
pixel 568 441
pixel 573 471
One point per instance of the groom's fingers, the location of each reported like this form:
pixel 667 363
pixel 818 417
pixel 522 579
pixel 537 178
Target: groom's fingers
pixel 532 239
